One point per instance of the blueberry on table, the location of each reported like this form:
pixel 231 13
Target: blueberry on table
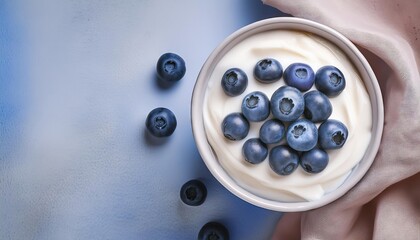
pixel 213 231
pixel 302 135
pixel 255 106
pixel 330 80
pixel 254 150
pixel 318 107
pixel 170 67
pixel 193 192
pixel 287 103
pixel 272 131
pixel 161 122
pixel 283 160
pixel 314 161
pixel 268 70
pixel 234 82
pixel 332 134
pixel 300 76
pixel 235 126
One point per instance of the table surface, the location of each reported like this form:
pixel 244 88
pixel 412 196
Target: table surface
pixel 77 80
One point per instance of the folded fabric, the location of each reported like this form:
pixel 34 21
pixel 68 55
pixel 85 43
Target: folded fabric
pixel 385 204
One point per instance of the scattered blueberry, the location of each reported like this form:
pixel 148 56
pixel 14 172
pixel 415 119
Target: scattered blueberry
pixel 330 80
pixel 234 82
pixel 268 70
pixel 256 106
pixel 287 103
pixel 235 126
pixel 272 131
pixel 300 76
pixel 254 150
pixel 332 134
pixel 161 122
pixel 283 160
pixel 302 135
pixel 170 67
pixel 318 107
pixel 213 231
pixel 314 161
pixel 193 192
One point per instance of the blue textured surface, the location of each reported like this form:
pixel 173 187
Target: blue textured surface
pixel 77 80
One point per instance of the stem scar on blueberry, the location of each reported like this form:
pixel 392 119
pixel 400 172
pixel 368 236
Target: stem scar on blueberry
pixel 307 167
pixel 264 64
pixel 301 73
pixel 338 138
pixel 213 236
pixel 298 130
pixel 289 168
pixel 191 193
pixel 252 101
pixel 232 78
pixel 160 122
pixel 213 231
pixel 286 106
pixel 335 79
pixel 228 136
pixel 170 66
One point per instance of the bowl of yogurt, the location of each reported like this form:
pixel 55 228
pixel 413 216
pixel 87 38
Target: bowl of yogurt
pixel 359 106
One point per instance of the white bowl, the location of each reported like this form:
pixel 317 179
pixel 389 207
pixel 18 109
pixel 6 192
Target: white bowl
pixel 355 57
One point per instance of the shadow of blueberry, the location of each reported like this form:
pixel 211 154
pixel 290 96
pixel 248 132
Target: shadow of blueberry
pixel 152 140
pixel 163 84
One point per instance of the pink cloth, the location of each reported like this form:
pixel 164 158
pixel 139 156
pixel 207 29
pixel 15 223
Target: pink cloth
pixel 386 203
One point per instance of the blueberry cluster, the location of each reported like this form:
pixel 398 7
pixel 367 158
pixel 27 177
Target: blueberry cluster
pixel 295 110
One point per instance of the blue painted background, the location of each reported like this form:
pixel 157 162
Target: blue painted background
pixel 77 80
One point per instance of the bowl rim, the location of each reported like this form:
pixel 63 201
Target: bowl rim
pixel 360 63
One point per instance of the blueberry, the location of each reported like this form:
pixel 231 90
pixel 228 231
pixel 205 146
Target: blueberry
pixel 235 126
pixel 318 107
pixel 268 70
pixel 314 161
pixel 256 106
pixel 170 67
pixel 300 76
pixel 213 231
pixel 254 150
pixel 287 103
pixel 283 160
pixel 193 192
pixel 234 82
pixel 330 80
pixel 161 122
pixel 332 134
pixel 302 135
pixel 272 131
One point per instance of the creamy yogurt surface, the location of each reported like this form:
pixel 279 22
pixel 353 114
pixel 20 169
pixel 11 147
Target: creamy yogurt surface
pixel 352 107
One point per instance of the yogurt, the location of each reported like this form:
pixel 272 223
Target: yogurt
pixel 352 107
